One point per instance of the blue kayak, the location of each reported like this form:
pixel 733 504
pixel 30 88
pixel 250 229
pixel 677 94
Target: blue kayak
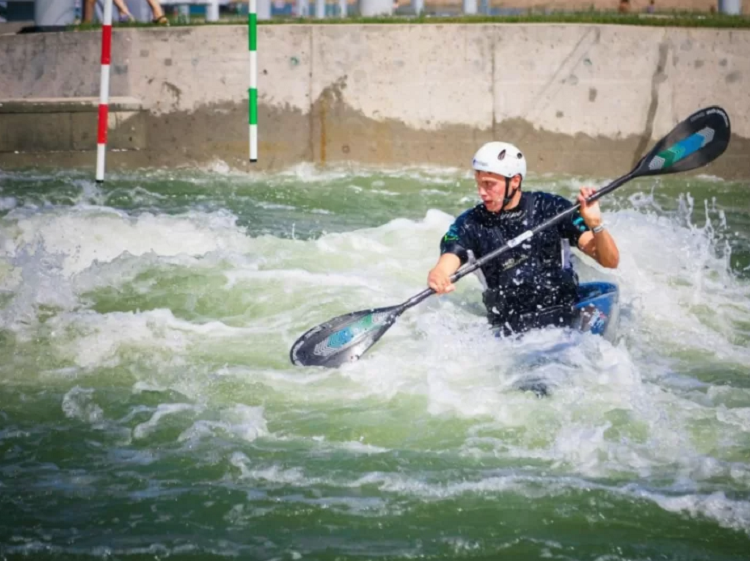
pixel 597 309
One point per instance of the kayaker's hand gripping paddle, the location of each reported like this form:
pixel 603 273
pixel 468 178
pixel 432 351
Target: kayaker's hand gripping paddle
pixel 695 142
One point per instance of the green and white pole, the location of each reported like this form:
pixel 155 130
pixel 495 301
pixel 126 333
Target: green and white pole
pixel 252 32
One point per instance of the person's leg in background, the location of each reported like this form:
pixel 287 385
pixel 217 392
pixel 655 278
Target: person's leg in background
pixel 159 17
pixel 124 12
pixel 88 11
pixel 89 7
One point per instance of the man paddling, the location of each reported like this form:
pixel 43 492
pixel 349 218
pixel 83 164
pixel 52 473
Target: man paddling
pixel 534 284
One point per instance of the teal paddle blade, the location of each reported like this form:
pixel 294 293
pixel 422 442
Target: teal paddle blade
pixel 696 141
pixel 343 339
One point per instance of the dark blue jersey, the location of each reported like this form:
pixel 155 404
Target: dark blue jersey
pixel 530 278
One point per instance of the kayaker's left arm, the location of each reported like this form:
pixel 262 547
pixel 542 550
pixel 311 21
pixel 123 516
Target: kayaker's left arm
pixel 597 242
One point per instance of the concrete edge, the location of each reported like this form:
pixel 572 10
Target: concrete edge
pixel 68 105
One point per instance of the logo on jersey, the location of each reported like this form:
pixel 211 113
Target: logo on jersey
pixel 511 263
pixel 452 234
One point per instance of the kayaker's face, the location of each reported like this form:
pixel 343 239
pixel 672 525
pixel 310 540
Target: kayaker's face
pixel 491 187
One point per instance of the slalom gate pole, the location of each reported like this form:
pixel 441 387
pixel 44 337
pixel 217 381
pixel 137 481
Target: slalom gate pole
pixel 101 140
pixel 252 32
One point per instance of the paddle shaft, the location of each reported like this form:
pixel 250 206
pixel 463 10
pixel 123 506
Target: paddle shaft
pixel 528 234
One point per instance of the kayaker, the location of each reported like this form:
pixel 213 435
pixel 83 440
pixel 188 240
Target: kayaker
pixel 533 285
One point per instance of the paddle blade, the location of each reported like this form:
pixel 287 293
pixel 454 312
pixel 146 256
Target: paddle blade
pixel 343 339
pixel 695 142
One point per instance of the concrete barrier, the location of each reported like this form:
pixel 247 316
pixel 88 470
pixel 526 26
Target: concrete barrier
pixel 65 124
pixel 583 99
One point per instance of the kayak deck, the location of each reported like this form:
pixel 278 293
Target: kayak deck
pixel 597 309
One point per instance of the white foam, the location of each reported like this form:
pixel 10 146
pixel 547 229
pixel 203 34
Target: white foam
pixel 728 513
pixel 78 404
pixel 95 340
pixel 272 474
pixel 143 430
pixel 244 422
pixel 87 236
pixel 8 203
pixel 35 280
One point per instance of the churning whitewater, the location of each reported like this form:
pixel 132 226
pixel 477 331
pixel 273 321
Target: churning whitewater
pixel 149 406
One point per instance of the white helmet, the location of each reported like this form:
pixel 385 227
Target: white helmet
pixel 500 158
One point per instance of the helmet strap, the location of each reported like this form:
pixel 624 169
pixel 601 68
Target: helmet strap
pixel 508 196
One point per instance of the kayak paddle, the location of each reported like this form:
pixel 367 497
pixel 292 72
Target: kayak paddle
pixel 695 142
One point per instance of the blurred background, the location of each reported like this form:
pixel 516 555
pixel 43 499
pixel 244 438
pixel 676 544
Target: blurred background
pixel 23 10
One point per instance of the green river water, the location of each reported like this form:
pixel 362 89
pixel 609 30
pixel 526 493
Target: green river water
pixel 148 408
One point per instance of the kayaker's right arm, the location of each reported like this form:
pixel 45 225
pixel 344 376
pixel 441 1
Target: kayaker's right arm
pixel 453 254
pixel 439 278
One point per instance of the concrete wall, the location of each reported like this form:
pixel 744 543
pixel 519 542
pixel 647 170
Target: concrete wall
pixel 578 98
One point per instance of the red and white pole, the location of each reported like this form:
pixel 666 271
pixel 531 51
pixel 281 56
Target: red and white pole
pixel 101 141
